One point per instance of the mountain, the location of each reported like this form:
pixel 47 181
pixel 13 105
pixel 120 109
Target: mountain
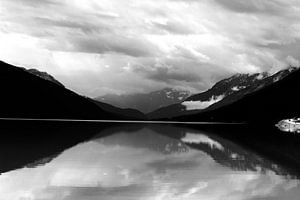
pixel 146 102
pixel 270 104
pixel 33 94
pixel 44 75
pixel 125 113
pixel 222 93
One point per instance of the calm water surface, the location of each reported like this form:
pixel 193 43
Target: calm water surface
pixel 155 163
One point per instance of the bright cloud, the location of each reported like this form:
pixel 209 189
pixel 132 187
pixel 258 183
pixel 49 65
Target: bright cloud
pixel 149 44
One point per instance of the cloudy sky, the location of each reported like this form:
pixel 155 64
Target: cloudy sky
pixel 115 46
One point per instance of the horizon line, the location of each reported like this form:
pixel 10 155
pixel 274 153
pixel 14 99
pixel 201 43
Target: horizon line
pixel 114 121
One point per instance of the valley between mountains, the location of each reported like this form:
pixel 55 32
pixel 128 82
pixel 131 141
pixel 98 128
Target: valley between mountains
pixel 255 98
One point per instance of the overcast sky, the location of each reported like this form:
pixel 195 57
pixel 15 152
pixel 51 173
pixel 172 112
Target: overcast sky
pixel 114 46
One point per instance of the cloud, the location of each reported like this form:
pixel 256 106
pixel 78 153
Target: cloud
pixel 169 74
pixel 36 3
pixel 169 43
pixel 173 27
pixel 52 23
pixel 114 44
pixel 254 6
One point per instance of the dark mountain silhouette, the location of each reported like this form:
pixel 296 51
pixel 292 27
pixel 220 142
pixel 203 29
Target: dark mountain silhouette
pixel 221 94
pixel 33 94
pixel 124 113
pixel 277 99
pixel 146 102
pixel 44 75
pixel 31 143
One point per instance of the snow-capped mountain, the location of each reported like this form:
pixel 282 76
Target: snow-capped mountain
pixel 222 93
pixel 146 102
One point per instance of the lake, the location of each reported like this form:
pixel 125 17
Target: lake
pixel 89 161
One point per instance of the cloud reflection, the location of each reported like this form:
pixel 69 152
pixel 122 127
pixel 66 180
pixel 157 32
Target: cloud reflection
pixel 135 165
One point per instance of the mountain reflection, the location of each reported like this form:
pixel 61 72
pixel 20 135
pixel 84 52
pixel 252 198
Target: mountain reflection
pixel 151 162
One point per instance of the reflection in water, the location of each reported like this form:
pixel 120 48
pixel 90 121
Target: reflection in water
pixel 200 138
pixel 149 164
pixel 289 125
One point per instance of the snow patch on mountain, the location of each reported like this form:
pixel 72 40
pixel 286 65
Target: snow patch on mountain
pixel 238 88
pixel 180 98
pixel 260 76
pixel 199 105
pixel 235 88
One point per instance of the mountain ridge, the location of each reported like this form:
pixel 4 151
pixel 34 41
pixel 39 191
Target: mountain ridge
pixel 266 105
pixel 42 98
pixel 44 75
pixel 222 93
